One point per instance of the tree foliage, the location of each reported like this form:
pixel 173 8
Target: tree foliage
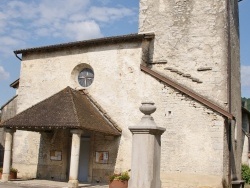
pixel 247 103
pixel 245 172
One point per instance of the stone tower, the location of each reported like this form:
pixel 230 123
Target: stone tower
pixel 197 45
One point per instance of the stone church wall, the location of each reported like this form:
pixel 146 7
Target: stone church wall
pixel 197 46
pixel 101 172
pixel 191 40
pixel 8 111
pixel 43 75
pixel 26 146
pixel 192 145
pixel 49 167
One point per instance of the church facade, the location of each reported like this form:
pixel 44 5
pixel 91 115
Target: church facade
pixel 85 94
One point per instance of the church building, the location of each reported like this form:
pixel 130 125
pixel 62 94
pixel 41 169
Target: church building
pixel 84 95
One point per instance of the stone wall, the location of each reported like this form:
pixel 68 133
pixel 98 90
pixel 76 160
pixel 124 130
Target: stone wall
pixel 192 145
pixel 197 46
pixel 190 36
pixel 36 86
pixel 26 146
pixel 8 111
pixel 100 142
pixel 60 140
pixel 50 142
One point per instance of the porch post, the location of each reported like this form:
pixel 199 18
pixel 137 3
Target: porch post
pixel 74 160
pixel 146 150
pixel 7 154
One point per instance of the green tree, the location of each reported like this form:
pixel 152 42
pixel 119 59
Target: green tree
pixel 247 103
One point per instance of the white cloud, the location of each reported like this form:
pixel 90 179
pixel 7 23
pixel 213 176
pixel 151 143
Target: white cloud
pixel 20 34
pixel 49 12
pixel 106 14
pixel 3 74
pixel 104 2
pixel 8 41
pixel 9 44
pixel 83 30
pixel 23 22
pixel 19 9
pixel 43 31
pixel 77 17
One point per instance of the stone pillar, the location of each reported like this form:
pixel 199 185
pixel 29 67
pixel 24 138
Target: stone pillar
pixel 146 150
pixel 7 154
pixel 74 160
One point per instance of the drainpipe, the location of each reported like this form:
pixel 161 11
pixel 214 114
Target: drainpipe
pixel 229 60
pixel 230 123
pixel 18 57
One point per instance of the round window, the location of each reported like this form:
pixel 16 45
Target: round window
pixel 86 77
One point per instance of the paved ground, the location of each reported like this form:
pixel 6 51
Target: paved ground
pixel 45 184
pixel 10 185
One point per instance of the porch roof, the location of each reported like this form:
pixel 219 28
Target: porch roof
pixel 68 108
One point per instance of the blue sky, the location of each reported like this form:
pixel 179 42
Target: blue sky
pixel 31 23
pixel 244 11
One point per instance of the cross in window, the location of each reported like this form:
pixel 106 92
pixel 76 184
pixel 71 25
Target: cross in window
pixel 86 77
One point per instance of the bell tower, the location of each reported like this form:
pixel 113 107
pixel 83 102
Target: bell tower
pixel 196 44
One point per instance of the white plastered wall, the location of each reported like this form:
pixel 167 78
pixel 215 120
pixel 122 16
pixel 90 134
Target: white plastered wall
pixel 192 145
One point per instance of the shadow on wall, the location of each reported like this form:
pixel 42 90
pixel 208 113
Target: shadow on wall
pixel 53 155
pixel 106 147
pixel 1 155
pixel 1 146
pixel 98 154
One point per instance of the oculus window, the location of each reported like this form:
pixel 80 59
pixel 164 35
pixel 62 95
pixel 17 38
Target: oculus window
pixel 86 77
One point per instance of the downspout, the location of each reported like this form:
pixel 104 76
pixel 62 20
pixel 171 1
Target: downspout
pixel 229 60
pixel 230 123
pixel 18 57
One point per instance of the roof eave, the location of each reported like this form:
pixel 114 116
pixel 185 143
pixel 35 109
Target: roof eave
pixel 98 41
pixel 31 118
pixel 8 102
pixel 15 83
pixel 201 99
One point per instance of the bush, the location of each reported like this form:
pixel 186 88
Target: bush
pixel 11 170
pixel 124 176
pixel 245 172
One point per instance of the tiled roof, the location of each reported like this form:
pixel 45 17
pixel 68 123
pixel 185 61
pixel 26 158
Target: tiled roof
pixel 105 40
pixel 66 109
